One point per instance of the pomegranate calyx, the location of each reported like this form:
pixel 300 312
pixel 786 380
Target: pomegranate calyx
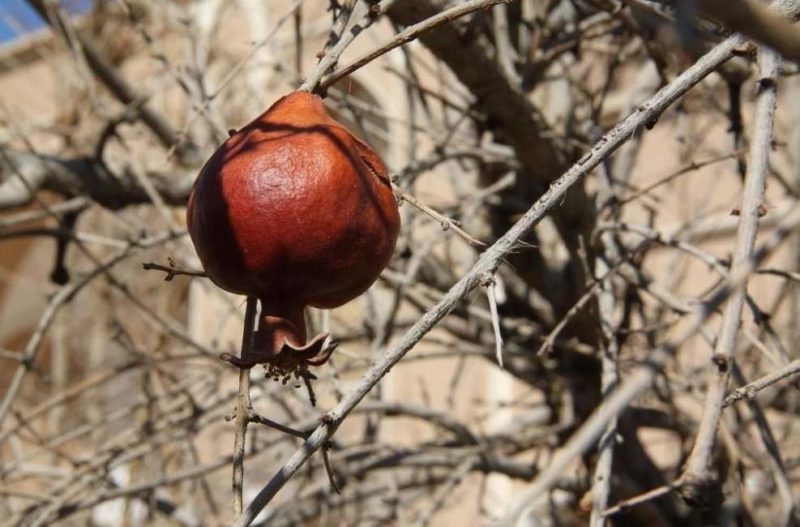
pixel 288 359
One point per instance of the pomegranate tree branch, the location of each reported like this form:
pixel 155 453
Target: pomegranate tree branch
pixel 488 263
pixel 650 495
pixel 698 483
pixel 444 221
pixel 758 22
pixel 259 419
pixel 751 390
pixel 472 58
pixel 609 345
pixel 641 378
pixel 22 174
pixel 243 406
pixel 407 35
pixel 365 16
pixel 172 271
pixel 342 14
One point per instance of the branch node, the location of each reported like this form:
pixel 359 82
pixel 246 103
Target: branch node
pixel 700 491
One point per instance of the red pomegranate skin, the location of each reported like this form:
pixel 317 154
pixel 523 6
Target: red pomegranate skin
pixel 297 211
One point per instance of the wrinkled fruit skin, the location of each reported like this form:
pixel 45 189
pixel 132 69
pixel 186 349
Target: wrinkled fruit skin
pixel 295 210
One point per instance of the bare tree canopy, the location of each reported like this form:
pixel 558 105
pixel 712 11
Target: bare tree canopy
pixel 590 316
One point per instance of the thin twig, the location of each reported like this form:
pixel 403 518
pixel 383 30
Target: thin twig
pixel 243 406
pixel 609 347
pixel 199 110
pixel 444 221
pixel 750 391
pixel 259 419
pixel 408 34
pixel 172 271
pixel 365 17
pixel 453 481
pixel 549 341
pixel 326 460
pixel 650 495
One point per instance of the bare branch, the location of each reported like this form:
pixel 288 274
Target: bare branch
pixel 698 482
pixel 488 262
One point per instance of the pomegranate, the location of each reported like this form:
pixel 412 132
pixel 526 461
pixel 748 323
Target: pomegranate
pixel 297 211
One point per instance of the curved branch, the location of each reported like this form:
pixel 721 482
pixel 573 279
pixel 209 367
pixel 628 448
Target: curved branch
pixel 22 174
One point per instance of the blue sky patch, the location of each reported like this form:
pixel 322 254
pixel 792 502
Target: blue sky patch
pixel 18 18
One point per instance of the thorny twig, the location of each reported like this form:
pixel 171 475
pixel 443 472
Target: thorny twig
pixel 445 222
pixel 750 391
pixel 172 270
pixel 698 480
pixel 243 406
